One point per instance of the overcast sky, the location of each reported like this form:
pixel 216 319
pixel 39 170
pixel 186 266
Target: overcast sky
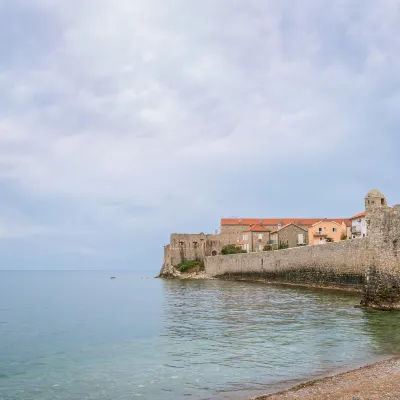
pixel 124 120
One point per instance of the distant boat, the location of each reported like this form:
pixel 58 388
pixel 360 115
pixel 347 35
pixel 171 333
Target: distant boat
pixel 113 277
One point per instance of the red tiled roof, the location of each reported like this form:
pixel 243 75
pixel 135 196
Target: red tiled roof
pixel 257 228
pixel 359 215
pixel 277 221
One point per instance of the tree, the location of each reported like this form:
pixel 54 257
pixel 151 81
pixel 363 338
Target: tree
pixel 232 249
pixel 283 245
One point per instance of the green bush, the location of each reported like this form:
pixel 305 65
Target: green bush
pixel 283 245
pixel 232 249
pixel 268 247
pixel 343 237
pixel 186 265
pixel 329 240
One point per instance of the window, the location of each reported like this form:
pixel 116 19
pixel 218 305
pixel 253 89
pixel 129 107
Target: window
pixel 300 238
pixel 334 229
pixel 244 237
pixel 260 247
pixel 320 239
pixel 260 236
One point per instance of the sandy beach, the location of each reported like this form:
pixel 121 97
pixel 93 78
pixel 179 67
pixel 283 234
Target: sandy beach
pixel 380 380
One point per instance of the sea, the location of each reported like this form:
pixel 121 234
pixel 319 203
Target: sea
pixel 77 335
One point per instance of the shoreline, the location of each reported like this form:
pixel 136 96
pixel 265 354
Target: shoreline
pixel 202 276
pixel 379 380
pixel 338 288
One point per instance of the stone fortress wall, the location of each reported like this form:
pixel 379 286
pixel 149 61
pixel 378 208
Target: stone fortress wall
pixel 341 264
pixel 370 264
pixel 188 247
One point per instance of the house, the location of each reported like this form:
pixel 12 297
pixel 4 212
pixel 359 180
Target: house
pixel 328 231
pixel 231 229
pixel 289 235
pixel 255 238
pixel 358 226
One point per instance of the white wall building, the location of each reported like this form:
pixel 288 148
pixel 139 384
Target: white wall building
pixel 358 226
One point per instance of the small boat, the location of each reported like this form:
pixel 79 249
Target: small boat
pixel 113 277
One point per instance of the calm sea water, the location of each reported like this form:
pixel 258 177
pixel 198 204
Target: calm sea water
pixel 80 335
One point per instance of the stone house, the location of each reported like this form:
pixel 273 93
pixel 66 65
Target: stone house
pixel 232 229
pixel 255 238
pixel 291 235
pixel 327 231
pixel 358 226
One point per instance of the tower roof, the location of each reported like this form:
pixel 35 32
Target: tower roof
pixel 374 193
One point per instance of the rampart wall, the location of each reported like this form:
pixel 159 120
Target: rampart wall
pixel 343 264
pixel 370 264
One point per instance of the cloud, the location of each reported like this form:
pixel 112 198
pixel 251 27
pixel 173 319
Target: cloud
pixel 125 118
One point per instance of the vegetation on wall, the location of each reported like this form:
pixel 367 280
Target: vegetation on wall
pixel 186 265
pixel 232 249
pixel 283 245
pixel 343 237
pixel 329 240
pixel 268 247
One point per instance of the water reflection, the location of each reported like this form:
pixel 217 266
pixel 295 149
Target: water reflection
pixel 383 329
pixel 250 335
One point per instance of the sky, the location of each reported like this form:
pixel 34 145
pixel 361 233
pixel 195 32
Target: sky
pixel 122 121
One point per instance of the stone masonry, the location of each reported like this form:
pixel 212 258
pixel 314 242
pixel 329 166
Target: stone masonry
pixel 188 247
pixel 291 235
pixel 370 264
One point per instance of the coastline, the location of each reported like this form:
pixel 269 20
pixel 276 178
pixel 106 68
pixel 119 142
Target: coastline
pixel 380 380
pixel 330 287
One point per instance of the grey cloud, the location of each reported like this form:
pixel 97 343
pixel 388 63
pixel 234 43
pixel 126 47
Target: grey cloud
pixel 128 118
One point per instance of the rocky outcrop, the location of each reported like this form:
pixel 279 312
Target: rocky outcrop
pixel 168 271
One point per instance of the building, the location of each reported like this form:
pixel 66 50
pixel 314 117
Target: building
pixel 255 238
pixel 328 231
pixel 231 230
pixel 290 235
pixel 358 226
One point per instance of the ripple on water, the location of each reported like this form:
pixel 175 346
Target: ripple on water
pixel 174 339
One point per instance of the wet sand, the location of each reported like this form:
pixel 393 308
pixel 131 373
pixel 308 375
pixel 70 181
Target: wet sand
pixel 380 380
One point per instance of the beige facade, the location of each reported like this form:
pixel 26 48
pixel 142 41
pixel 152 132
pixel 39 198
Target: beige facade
pixel 325 231
pixel 232 228
pixel 255 238
pixel 290 235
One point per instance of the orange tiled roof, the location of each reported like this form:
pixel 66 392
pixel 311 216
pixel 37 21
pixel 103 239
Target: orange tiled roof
pixel 359 215
pixel 257 228
pixel 277 221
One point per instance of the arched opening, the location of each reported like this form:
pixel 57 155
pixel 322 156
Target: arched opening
pixel 214 253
